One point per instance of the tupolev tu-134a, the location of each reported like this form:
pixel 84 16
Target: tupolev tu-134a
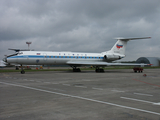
pixel 73 59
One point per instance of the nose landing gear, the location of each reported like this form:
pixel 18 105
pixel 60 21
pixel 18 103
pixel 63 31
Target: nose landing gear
pixel 22 71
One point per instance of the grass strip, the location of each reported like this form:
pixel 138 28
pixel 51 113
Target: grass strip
pixel 67 69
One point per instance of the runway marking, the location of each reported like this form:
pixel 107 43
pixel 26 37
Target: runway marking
pixel 55 83
pixel 66 84
pixel 86 80
pixel 140 100
pixel 81 86
pixel 38 81
pixel 59 90
pixel 97 88
pixel 147 83
pixel 156 103
pixel 5 75
pixel 142 94
pixel 31 80
pixel 83 98
pixel 117 91
pixel 47 82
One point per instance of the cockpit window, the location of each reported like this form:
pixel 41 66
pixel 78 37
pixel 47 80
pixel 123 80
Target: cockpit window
pixel 20 53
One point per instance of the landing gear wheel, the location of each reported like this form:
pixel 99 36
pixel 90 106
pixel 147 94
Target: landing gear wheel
pixel 22 72
pixel 99 70
pixel 76 70
pixel 17 68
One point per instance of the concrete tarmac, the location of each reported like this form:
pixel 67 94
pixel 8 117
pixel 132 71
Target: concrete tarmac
pixel 64 95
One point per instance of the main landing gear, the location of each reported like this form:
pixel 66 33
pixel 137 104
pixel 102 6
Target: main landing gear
pixel 22 71
pixel 99 70
pixel 75 69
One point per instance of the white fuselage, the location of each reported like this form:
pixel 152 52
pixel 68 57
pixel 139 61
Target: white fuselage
pixel 50 58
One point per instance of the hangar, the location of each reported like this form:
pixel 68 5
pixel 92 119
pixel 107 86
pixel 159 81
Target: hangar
pixel 155 61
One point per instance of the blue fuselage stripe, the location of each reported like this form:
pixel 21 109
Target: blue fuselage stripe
pixel 40 56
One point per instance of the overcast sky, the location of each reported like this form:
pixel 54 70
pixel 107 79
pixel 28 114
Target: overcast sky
pixel 80 25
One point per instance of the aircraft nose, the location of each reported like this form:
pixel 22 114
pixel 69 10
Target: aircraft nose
pixel 5 59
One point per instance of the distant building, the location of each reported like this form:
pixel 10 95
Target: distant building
pixel 155 61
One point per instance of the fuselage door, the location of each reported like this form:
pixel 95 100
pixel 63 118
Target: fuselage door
pixel 44 56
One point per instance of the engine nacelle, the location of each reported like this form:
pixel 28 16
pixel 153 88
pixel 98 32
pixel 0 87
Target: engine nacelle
pixel 112 57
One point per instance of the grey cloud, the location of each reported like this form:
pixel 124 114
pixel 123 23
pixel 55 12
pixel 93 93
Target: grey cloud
pixel 76 25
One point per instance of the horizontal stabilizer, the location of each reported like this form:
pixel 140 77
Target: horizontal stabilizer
pixel 126 39
pixel 17 50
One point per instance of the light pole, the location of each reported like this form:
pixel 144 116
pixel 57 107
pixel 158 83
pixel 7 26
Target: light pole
pixel 28 44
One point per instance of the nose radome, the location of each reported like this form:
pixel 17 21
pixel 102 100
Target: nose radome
pixel 5 59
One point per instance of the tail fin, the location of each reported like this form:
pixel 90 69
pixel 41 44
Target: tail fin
pixel 120 45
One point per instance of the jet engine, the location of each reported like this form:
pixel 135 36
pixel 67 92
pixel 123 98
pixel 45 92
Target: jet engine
pixel 112 57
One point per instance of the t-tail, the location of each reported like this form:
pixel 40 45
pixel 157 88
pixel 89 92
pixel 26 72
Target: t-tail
pixel 120 45
pixel 118 50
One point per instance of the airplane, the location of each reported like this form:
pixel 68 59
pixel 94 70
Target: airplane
pixel 74 59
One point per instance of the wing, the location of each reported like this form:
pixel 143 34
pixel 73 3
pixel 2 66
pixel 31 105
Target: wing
pixel 17 50
pixel 80 63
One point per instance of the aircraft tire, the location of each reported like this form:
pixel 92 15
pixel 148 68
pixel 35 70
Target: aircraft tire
pixel 17 68
pixel 77 70
pixel 99 70
pixel 22 72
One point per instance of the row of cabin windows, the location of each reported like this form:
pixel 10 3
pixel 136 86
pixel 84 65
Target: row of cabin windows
pixel 71 57
pixel 73 54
